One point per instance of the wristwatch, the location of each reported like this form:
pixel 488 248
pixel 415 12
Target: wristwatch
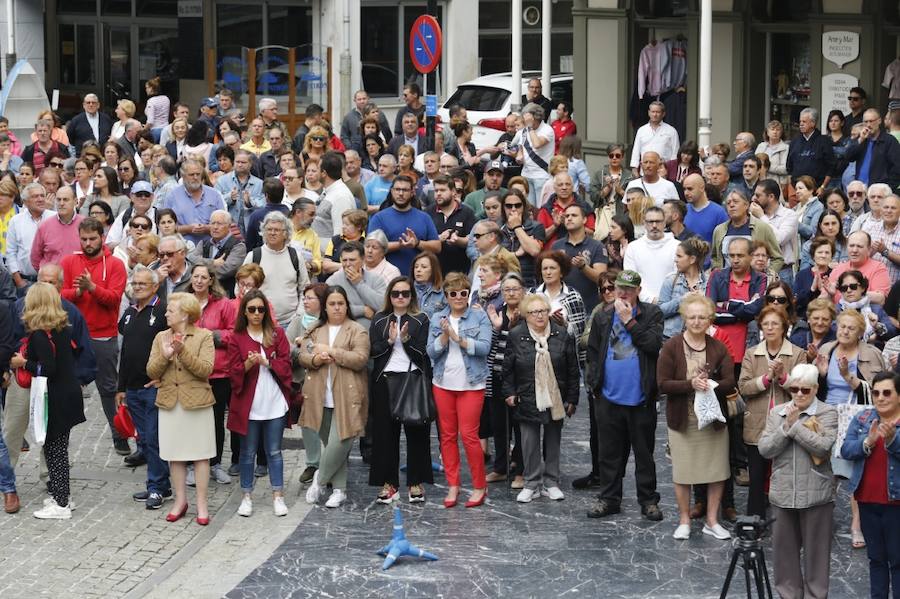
pixel 885 252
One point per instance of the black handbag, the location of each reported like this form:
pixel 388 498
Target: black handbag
pixel 410 397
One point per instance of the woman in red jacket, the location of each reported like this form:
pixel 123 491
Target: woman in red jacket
pixel 259 358
pixel 218 316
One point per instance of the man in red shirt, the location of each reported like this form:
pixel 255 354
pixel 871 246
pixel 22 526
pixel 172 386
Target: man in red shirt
pixel 563 125
pixel 551 215
pixel 859 248
pixel 94 281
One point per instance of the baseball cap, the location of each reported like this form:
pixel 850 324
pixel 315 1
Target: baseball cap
pixel 141 187
pixel 209 102
pixel 894 105
pixel 628 278
pixel 494 165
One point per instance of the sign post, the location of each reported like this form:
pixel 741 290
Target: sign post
pixel 425 46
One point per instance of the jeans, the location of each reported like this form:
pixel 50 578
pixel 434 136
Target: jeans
pixel 535 186
pixel 271 431
pixel 144 413
pixel 7 474
pixel 881 527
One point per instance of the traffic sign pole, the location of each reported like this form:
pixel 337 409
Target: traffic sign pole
pixel 425 46
pixel 430 9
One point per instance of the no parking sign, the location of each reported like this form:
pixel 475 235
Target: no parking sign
pixel 425 44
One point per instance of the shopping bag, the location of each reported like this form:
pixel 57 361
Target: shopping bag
pixel 706 406
pixel 846 413
pixel 39 409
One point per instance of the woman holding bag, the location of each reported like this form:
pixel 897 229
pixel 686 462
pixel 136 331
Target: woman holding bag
pixel 49 354
pixel 259 356
pixel 687 363
pixel 399 335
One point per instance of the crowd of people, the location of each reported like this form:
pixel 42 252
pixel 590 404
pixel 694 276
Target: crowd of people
pixel 213 276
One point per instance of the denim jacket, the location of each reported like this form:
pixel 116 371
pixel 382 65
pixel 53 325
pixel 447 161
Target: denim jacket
pixel 852 450
pixel 240 213
pixel 673 290
pixel 475 328
pixel 431 301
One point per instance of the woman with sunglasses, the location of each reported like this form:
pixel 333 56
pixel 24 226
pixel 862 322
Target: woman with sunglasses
pixel 399 334
pixel 459 343
pixel 830 227
pixel 522 235
pixel 259 359
pixel 778 293
pixel 335 353
pixel 609 183
pixel 763 385
pixel 854 286
pixel 689 278
pixel 687 362
pixel 126 251
pixel 847 367
pixel 798 439
pixel 315 144
pixel 127 170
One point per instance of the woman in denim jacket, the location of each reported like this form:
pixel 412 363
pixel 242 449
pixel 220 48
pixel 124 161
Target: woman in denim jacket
pixel 688 277
pixel 873 445
pixel 459 341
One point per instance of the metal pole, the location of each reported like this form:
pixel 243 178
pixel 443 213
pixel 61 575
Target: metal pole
pixel 430 83
pixel 346 59
pixel 10 35
pixel 517 53
pixel 546 20
pixel 705 102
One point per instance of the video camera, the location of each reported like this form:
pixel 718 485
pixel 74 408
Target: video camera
pixel 751 528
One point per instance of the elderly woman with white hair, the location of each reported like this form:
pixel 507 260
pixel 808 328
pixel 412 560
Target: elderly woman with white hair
pixel 541 379
pixel 376 246
pixel 798 439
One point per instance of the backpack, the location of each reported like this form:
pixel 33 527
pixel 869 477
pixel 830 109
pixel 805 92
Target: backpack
pixel 295 259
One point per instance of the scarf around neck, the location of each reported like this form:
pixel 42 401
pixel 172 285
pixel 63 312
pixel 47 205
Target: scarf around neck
pixel 863 307
pixel 546 389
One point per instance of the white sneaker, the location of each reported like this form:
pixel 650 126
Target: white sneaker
pixel 279 506
pixel 246 507
pixel 716 531
pixel 553 493
pixel 336 499
pixel 219 475
pixel 71 505
pixel 189 478
pixel 314 491
pixel 682 533
pixel 52 511
pixel 526 495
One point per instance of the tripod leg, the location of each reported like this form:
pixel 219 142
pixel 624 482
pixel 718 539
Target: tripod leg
pixel 759 568
pixel 748 565
pixel 765 573
pixel 728 577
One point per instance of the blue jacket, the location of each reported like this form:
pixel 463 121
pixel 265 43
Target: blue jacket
pixel 813 157
pixel 810 221
pixel 673 290
pixel 730 311
pixel 475 327
pixel 240 214
pixel 852 450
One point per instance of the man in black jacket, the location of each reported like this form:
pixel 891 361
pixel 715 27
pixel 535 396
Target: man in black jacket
pixel 623 346
pixel 90 124
pixel 535 94
pixel 877 153
pixel 810 152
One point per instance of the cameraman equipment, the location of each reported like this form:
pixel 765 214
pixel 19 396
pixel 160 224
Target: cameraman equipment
pixel 748 530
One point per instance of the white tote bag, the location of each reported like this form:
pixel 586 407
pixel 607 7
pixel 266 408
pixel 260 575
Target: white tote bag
pixel 39 411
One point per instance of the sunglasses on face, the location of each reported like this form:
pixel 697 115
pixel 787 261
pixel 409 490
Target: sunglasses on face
pixel 776 299
pixel 880 393
pixel 856 194
pixel 462 293
pixel 849 287
pixel 145 227
pixel 56 164
pixel 517 206
pixel 167 254
pixel 317 138
pixel 800 390
pixel 398 293
pixel 478 235
pixel 614 155
pixel 608 288
pixel 256 309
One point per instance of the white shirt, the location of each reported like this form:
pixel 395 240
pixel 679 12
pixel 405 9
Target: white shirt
pixel 454 378
pixel 660 191
pixel 19 236
pixel 117 230
pixel 268 400
pixel 785 223
pixel 663 140
pixel 333 330
pixel 529 169
pixel 399 360
pixel 94 122
pixel 654 261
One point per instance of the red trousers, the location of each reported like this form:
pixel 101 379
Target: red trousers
pixel 459 414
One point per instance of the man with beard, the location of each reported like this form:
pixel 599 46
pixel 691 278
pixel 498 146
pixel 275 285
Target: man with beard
pixel 94 281
pixel 493 181
pixel 453 222
pixel 408 229
pixel 193 202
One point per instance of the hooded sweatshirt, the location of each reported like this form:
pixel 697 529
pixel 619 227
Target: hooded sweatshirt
pixel 101 306
pixel 653 260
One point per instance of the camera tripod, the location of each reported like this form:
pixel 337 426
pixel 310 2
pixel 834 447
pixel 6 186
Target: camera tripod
pixel 754 563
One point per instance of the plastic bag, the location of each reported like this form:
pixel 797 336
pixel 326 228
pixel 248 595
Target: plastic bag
pixel 706 406
pixel 39 411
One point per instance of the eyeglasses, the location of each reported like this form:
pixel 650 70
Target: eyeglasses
pixel 317 138
pixel 57 164
pixel 462 293
pixel 124 169
pixel 516 289
pixel 398 293
pixel 516 206
pixel 479 235
pixel 856 194
pixel 776 299
pixel 256 309
pixel 145 227
pixel 143 194
pixel 286 178
pixel 849 287
pixel 541 312
pixel 880 393
pixel 167 254
pixel 459 189
pixel 608 288
pixel 800 390
pixel 853 98
pixel 402 190
pixel 617 155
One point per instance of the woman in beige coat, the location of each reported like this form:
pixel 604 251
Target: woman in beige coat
pixel 763 385
pixel 181 362
pixel 335 353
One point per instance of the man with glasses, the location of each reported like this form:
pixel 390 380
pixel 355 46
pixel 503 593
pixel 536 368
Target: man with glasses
pixel 141 205
pixel 378 188
pixel 243 192
pixel 875 195
pixel 20 235
pixel 856 196
pixel 493 181
pixel 857 101
pixel 39 152
pixel 222 253
pixel 535 93
pixel 173 267
pixel 653 255
pixel 408 229
pixel 193 202
pixel 90 125
pixel 876 153
pixel 741 223
pixel 57 237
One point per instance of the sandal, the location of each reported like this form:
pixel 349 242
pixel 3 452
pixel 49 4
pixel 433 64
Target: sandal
pixel 858 541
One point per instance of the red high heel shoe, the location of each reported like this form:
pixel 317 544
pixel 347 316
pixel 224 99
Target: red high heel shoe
pixel 202 521
pixel 172 517
pixel 477 502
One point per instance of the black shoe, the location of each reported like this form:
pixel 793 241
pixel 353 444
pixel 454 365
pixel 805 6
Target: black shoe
pixel 121 446
pixel 603 508
pixel 308 474
pixel 652 512
pixel 261 471
pixel 234 470
pixel 155 500
pixel 586 482
pixel 135 459
pixel 25 445
pixel 141 496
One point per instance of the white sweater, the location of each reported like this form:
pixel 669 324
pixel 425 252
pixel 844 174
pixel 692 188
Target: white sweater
pixel 653 260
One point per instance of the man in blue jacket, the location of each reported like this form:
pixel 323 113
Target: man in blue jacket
pixel 876 153
pixel 810 152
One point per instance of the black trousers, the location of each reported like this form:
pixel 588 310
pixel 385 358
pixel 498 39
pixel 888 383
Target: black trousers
pixel 594 441
pixel 758 468
pixel 502 423
pixel 385 462
pixel 56 454
pixel 620 430
pixel 221 389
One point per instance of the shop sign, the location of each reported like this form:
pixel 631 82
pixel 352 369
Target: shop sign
pixel 840 47
pixel 190 9
pixel 835 88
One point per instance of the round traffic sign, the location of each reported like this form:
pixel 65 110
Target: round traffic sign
pixel 425 44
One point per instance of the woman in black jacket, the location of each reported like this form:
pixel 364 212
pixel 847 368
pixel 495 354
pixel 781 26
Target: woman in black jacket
pixel 399 335
pixel 50 355
pixel 541 378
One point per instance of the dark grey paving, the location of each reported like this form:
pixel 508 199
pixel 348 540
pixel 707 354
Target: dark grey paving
pixel 505 549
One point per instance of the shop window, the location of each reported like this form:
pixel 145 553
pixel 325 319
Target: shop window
pixel 290 26
pixel 495 52
pixel 158 57
pixel 790 71
pixel 77 63
pixel 115 7
pixel 77 7
pixel 157 8
pixel 781 10
pixel 661 8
